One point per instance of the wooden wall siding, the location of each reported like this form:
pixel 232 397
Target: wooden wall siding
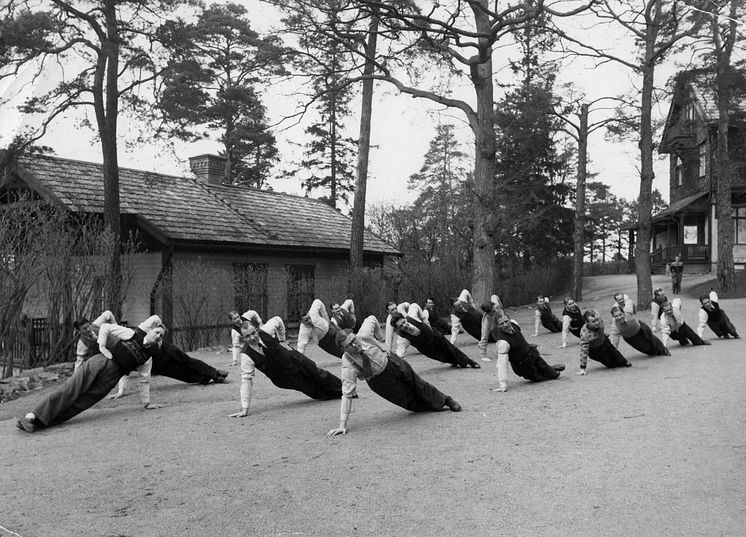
pixel 329 271
pixel 136 306
pixel 739 253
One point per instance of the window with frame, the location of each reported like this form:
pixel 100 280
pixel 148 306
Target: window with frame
pixel 250 286
pixel 739 225
pixel 689 111
pixel 702 159
pixel 301 289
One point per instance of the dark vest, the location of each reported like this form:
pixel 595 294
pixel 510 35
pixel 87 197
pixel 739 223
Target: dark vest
pixel 132 353
pixel 519 347
pixel 576 318
pixel 658 300
pixel 715 316
pixel 424 339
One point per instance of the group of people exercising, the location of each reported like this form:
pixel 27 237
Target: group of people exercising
pixel 108 352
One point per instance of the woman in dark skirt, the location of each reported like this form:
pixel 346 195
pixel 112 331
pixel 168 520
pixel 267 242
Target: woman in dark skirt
pixel 595 344
pixel 636 333
pixel 430 342
pixel 387 375
pixel 285 367
pixel 316 322
pixel 546 317
pixel 469 317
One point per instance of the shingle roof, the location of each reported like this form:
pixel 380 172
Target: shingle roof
pixel 185 209
pixel 679 205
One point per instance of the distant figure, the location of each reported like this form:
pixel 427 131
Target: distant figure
pixel 711 315
pixel 545 317
pixel 677 271
pixel 316 322
pixel 435 320
pixel 625 303
pixel 656 308
pixel 344 315
pixel 572 320
pixel 465 315
pixel 393 343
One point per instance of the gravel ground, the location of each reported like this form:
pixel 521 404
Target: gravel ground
pixel 658 449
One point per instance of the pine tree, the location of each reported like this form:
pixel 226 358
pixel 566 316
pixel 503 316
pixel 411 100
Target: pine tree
pixel 214 86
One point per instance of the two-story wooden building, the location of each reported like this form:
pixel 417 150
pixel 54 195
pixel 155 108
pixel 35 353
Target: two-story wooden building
pixel 688 227
pixel 296 248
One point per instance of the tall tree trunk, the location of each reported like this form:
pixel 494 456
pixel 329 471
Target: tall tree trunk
pixel 725 270
pixel 579 235
pixel 361 179
pixel 333 154
pixel 106 105
pixel 483 279
pixel 645 204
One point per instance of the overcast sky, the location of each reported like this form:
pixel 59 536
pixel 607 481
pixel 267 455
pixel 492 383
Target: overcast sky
pixel 402 130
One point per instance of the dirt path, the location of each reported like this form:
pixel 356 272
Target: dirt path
pixel 658 449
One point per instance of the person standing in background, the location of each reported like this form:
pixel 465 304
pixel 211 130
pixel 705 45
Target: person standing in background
pixel 677 271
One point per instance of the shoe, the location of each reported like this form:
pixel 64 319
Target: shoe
pixel 667 353
pixel 558 367
pixel 25 424
pixel 628 364
pixel 474 365
pixel 706 343
pixel 736 336
pixel 452 404
pixel 485 359
pixel 500 389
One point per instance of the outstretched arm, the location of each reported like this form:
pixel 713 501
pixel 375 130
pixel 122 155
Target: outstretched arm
pixel 121 386
pixel 702 322
pixel 345 407
pixel 566 320
pixel 248 370
pixel 655 311
pixel 144 384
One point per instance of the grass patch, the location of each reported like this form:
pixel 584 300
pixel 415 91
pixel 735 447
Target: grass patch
pixel 705 287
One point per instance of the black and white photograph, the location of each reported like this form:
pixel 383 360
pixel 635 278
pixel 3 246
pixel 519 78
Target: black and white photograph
pixel 375 268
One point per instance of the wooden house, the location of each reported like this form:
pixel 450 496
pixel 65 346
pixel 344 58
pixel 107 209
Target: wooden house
pixel 295 248
pixel 688 227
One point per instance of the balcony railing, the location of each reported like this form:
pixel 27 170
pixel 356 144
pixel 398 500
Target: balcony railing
pixel 689 253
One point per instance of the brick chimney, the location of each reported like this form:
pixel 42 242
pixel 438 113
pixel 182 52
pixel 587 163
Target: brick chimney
pixel 208 168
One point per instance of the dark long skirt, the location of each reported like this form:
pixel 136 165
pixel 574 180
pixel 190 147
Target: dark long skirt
pixel 174 363
pixel 645 342
pixel 551 323
pixel 532 366
pixel 95 378
pixel 472 323
pixel 608 355
pixel 724 327
pixel 441 349
pixel 292 370
pixel 399 384
pixel 685 335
